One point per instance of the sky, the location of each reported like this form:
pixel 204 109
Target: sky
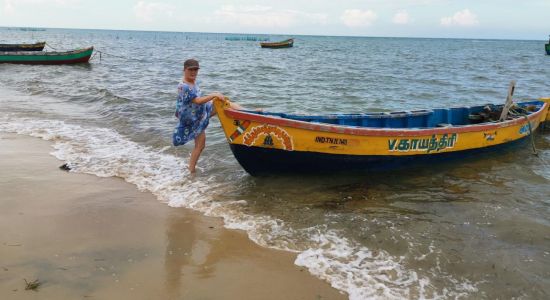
pixel 493 19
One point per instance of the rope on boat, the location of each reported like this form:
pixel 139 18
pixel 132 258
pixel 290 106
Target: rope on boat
pixel 524 113
pixel 532 136
pixel 95 55
pixel 544 162
pixel 510 109
pixel 514 111
pixel 51 47
pixel 109 54
pixel 95 52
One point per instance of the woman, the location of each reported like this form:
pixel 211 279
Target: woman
pixel 193 111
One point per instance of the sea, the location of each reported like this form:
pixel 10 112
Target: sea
pixel 474 228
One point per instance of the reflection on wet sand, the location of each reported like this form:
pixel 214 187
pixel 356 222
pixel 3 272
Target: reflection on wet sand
pixel 85 237
pixel 180 235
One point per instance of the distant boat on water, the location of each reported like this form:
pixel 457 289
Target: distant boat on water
pixel 547 47
pixel 47 58
pixel 282 44
pixel 31 29
pixel 23 47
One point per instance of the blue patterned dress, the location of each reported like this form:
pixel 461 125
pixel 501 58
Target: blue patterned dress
pixel 193 118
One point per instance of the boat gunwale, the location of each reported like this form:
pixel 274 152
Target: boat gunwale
pixel 37 44
pixel 373 131
pixel 45 53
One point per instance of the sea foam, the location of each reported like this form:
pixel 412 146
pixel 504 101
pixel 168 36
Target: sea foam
pixel 346 265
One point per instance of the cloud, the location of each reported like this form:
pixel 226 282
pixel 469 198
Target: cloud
pixel 9 7
pixel 149 11
pixel 358 18
pixel 461 18
pixel 401 17
pixel 66 2
pixel 266 16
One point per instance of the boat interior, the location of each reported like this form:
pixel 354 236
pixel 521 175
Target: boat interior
pixel 428 118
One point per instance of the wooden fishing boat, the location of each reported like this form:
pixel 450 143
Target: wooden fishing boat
pixel 23 47
pixel 266 143
pixel 47 58
pixel 283 44
pixel 547 46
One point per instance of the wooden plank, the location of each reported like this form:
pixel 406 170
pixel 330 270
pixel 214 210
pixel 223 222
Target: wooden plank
pixel 509 101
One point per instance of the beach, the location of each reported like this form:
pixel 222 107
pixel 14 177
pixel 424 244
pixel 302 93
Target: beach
pixel 88 237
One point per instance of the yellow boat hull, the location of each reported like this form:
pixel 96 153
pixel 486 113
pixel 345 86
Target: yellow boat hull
pixel 266 144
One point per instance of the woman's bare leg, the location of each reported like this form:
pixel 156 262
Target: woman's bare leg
pixel 236 106
pixel 200 142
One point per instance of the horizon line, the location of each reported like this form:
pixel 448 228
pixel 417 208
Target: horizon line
pixel 284 34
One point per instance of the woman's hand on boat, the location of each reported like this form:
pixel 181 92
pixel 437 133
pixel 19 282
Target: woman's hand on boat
pixel 218 95
pixel 208 98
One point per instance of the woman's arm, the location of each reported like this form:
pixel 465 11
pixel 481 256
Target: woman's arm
pixel 204 99
pixel 207 98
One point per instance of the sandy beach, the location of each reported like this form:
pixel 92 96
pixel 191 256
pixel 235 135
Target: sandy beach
pixel 85 237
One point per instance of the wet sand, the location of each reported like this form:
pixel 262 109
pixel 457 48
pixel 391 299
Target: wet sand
pixel 85 237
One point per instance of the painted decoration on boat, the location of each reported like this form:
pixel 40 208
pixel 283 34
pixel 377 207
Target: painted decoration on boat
pixel 241 127
pixel 269 136
pixel 435 143
pixel 490 136
pixel 524 130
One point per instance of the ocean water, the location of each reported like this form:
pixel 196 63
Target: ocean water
pixel 477 228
